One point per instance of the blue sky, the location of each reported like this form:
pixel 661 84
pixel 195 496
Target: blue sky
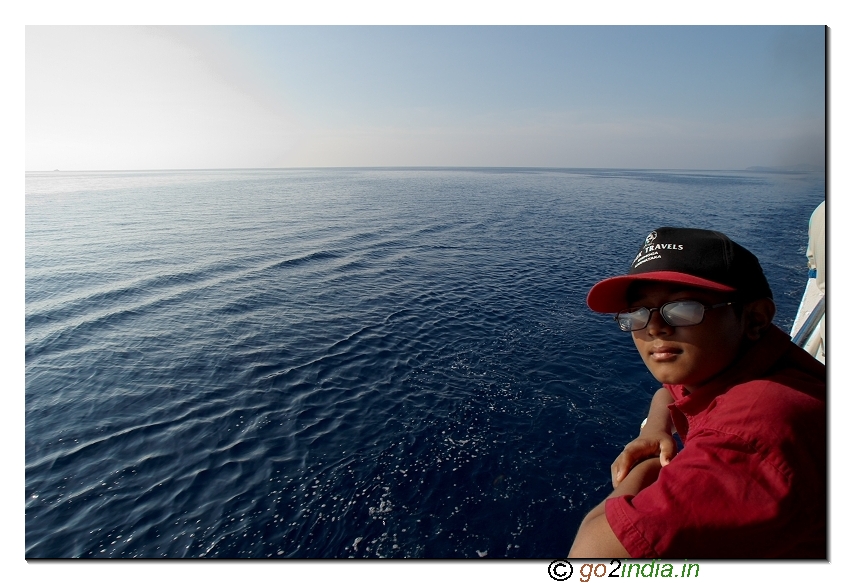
pixel 108 98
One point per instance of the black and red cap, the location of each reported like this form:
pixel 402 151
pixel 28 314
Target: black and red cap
pixel 691 257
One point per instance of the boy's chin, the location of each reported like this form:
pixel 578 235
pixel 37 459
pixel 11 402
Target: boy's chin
pixel 667 377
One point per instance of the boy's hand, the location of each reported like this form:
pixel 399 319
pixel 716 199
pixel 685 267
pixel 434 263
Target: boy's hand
pixel 647 445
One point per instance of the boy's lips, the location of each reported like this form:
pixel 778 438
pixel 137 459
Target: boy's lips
pixel 664 353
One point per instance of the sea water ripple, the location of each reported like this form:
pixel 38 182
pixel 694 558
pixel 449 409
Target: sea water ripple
pixel 335 363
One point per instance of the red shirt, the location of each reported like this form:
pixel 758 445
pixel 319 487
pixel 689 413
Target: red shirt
pixel 751 479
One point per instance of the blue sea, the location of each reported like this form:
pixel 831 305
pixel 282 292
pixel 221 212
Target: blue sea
pixel 348 362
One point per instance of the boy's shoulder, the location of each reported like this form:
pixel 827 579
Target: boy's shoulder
pixel 777 361
pixel 776 396
pixel 794 379
pixel 780 415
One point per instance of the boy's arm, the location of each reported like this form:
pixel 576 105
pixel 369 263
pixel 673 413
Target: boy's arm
pixel 595 538
pixel 659 415
pixel 655 438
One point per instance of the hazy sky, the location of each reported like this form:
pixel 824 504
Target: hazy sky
pixel 108 98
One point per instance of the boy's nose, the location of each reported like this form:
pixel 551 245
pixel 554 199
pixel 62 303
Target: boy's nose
pixel 657 325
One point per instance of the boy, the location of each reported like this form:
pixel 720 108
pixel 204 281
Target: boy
pixel 748 405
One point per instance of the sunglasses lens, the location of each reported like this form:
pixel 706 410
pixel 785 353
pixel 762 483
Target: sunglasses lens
pixel 634 320
pixel 683 313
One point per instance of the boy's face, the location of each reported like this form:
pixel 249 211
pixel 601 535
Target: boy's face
pixel 688 355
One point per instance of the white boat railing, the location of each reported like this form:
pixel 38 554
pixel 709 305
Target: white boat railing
pixel 801 338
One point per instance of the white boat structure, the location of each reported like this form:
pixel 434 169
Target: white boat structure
pixel 808 328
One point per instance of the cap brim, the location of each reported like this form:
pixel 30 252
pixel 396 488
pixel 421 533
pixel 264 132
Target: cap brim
pixel 609 295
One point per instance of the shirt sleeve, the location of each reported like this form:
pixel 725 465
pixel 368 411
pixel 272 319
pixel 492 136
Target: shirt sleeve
pixel 717 498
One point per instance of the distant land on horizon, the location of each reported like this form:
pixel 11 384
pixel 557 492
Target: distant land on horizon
pixel 787 168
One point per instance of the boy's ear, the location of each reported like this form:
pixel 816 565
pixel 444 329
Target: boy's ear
pixel 758 315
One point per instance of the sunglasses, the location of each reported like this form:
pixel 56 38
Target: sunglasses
pixel 677 314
